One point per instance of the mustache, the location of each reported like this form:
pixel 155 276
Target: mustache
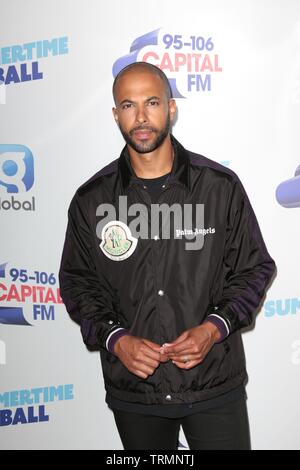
pixel 142 128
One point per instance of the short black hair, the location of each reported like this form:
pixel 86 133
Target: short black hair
pixel 146 66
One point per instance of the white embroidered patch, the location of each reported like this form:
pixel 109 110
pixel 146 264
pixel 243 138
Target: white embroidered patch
pixel 117 242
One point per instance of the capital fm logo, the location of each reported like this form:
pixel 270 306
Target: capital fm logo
pixel 28 297
pixel 288 192
pixel 16 177
pixel 189 60
pixel 9 315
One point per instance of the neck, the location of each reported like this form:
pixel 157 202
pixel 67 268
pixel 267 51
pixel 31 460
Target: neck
pixel 153 164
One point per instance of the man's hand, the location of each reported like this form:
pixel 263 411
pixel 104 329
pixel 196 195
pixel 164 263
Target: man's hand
pixel 140 356
pixel 192 346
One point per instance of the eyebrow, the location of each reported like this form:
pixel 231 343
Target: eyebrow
pixel 132 102
pixel 153 98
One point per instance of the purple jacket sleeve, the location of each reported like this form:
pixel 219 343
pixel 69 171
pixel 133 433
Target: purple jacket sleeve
pixel 248 267
pixel 89 299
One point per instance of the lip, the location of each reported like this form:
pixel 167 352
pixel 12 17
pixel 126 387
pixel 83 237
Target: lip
pixel 143 134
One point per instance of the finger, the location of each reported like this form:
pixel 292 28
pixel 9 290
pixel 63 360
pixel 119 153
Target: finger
pixel 182 348
pixel 148 357
pixel 187 365
pixel 191 357
pixel 148 361
pixel 180 338
pixel 164 358
pixel 139 374
pixel 153 346
pixel 153 350
pixel 185 352
pixel 142 368
pixel 149 350
pixel 144 357
pixel 138 369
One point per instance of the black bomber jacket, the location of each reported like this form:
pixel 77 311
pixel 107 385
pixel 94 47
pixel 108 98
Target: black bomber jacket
pixel 121 268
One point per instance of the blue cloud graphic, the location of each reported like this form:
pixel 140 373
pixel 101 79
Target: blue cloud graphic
pixel 137 45
pixel 288 192
pixel 2 269
pixel 12 316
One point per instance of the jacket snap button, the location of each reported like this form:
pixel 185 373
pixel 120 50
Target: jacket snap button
pixel 160 292
pixel 168 397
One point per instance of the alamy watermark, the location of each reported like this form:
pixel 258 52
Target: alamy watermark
pixel 175 221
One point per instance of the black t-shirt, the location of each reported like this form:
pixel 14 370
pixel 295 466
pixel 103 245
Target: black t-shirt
pixel 155 186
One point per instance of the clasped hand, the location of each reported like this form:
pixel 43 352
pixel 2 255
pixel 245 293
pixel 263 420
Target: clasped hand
pixel 142 357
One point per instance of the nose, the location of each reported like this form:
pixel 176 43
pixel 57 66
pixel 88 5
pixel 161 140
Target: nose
pixel 141 116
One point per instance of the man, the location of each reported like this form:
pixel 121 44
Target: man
pixel 165 303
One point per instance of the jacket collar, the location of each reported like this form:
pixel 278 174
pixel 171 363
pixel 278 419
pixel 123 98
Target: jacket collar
pixel 180 172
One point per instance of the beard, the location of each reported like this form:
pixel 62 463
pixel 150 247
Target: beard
pixel 147 147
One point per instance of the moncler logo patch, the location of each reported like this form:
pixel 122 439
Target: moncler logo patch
pixel 117 242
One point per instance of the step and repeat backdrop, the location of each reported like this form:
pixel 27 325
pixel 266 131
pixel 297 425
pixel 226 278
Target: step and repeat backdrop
pixel 234 67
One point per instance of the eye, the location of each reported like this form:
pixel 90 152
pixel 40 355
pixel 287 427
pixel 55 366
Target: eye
pixel 153 103
pixel 127 106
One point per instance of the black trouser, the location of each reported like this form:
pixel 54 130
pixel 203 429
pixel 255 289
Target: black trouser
pixel 222 428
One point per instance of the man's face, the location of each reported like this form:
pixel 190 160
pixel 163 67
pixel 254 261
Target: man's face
pixel 143 112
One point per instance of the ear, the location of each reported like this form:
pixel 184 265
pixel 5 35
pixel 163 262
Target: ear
pixel 115 114
pixel 173 109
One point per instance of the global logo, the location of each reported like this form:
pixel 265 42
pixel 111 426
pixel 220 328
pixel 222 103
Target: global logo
pixel 16 168
pixel 288 192
pixel 188 60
